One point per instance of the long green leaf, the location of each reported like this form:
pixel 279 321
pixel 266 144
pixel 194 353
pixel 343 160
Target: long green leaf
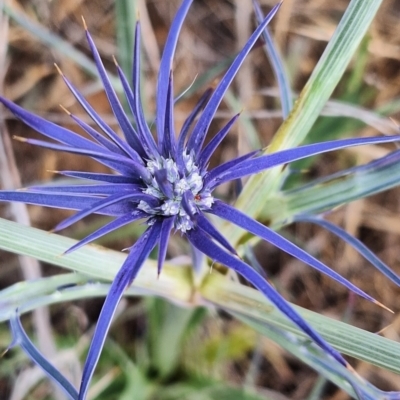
pixel 175 284
pixel 328 193
pixel 346 338
pixel 308 106
pixel 93 261
pixel 126 12
pixel 317 359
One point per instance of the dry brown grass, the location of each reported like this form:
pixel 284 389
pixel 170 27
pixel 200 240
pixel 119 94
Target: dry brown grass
pixel 213 31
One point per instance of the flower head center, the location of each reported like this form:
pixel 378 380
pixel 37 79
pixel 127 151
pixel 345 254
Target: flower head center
pixel 179 191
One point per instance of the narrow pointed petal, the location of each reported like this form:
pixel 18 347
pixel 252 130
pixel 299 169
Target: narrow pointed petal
pixel 133 140
pixel 166 67
pixel 87 189
pixel 149 144
pixel 137 255
pixel 96 135
pixel 356 244
pixel 161 176
pixel 22 339
pixel 121 168
pixel 262 163
pixel 111 226
pixel 188 123
pixel 103 156
pixel 187 203
pixel 67 202
pixel 165 232
pixel 49 129
pixel 212 176
pixel 192 116
pixel 197 258
pixel 200 130
pixel 208 151
pixel 169 145
pixel 205 225
pixel 94 176
pixel 115 104
pixel 229 213
pixel 103 204
pixel 99 121
pixel 216 253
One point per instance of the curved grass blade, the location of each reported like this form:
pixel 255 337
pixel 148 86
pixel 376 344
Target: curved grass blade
pixel 175 284
pixel 318 89
pixel 285 93
pixel 355 243
pixel 343 377
pixel 262 163
pixel 199 239
pixel 325 194
pixel 21 338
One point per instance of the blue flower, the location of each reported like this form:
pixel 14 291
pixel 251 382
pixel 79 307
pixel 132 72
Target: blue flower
pixel 165 182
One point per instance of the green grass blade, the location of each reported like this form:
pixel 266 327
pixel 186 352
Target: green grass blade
pixel 317 359
pixel 249 130
pixel 350 340
pixel 175 284
pixel 93 261
pixel 308 106
pixel 167 326
pixel 88 290
pixel 327 73
pixel 126 12
pixel 328 193
pixel 25 290
pixel 278 67
pixel 300 348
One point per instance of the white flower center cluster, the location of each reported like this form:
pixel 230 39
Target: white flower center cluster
pixel 172 202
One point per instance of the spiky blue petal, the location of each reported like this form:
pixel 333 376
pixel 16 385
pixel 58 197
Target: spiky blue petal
pixel 115 104
pixel 211 177
pixel 94 176
pixel 50 129
pixel 100 154
pixel 98 120
pixel 201 128
pixel 230 214
pixel 166 67
pixel 143 130
pixel 134 141
pixel 259 164
pixel 98 190
pixel 110 227
pixel 137 256
pixel 64 201
pixel 165 232
pixel 208 151
pixel 200 240
pixel 96 135
pixel 169 143
pixel 204 224
pixel 104 204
